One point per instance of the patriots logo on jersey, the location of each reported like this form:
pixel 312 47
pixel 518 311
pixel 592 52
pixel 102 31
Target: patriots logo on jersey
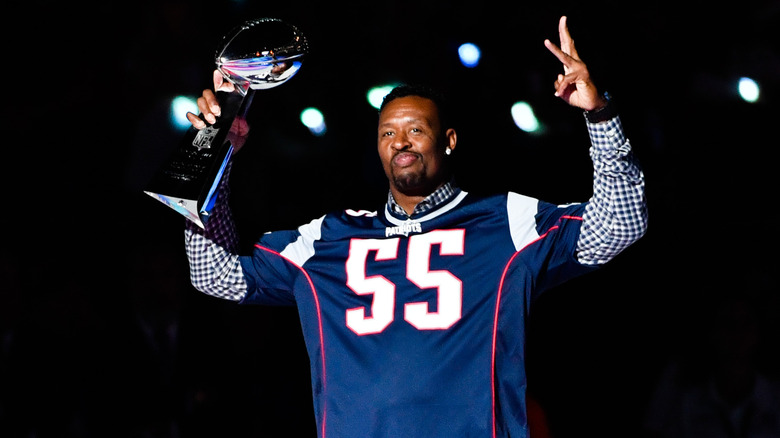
pixel 404 229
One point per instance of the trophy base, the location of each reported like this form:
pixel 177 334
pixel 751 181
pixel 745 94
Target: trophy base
pixel 191 195
pixel 187 207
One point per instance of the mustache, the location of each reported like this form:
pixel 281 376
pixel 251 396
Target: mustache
pixel 416 154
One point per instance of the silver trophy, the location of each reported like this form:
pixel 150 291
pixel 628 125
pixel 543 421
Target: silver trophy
pixel 257 55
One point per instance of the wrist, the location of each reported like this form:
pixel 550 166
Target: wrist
pixel 604 112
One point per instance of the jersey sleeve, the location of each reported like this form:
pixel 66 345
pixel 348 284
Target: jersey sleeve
pixel 276 267
pixel 267 276
pixel 616 215
pixel 560 227
pixel 545 236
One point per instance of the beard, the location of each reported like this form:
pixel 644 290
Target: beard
pixel 412 183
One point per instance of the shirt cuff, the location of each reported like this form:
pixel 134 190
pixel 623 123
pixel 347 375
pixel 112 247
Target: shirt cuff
pixel 608 138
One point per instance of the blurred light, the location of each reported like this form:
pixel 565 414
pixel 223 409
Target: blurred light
pixel 524 117
pixel 180 105
pixel 313 119
pixel 748 89
pixel 469 54
pixel 376 94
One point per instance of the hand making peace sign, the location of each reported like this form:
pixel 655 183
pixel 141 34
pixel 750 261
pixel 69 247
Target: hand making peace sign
pixel 575 86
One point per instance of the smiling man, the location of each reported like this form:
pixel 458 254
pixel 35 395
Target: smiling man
pixel 414 315
pixel 412 145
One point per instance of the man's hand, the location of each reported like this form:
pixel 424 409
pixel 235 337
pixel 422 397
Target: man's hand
pixel 207 103
pixel 575 85
pixel 209 108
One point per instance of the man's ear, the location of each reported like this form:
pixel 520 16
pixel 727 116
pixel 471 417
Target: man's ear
pixel 451 139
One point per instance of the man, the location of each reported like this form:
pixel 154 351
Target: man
pixel 413 316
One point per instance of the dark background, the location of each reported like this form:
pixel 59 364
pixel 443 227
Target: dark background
pixel 91 265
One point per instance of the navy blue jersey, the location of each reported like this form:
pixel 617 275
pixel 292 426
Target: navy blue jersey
pixel 415 328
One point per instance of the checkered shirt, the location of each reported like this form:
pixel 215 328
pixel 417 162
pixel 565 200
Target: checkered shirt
pixel 616 214
pixel 438 196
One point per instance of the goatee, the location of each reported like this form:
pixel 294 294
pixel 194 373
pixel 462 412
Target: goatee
pixel 410 184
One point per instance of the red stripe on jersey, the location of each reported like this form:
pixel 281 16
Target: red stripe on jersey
pixel 495 319
pixel 319 323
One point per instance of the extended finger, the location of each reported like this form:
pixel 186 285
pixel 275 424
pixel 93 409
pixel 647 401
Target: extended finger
pixel 563 34
pixel 565 59
pixel 567 42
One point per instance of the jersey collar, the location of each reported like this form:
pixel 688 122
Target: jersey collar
pixel 440 201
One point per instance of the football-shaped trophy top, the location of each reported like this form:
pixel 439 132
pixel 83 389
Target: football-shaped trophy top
pixel 261 54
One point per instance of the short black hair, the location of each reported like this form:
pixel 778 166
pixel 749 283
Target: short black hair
pixel 425 91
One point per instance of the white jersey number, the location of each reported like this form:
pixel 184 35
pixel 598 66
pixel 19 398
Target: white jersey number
pixel 449 287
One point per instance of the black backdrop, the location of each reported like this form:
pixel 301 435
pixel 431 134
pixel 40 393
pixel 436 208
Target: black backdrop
pixel 86 253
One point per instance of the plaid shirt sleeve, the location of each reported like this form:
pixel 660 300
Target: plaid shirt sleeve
pixel 213 252
pixel 616 215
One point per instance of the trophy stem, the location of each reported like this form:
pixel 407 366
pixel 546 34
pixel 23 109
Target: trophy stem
pixel 250 94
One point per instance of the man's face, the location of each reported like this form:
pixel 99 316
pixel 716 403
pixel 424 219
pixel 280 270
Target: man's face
pixel 411 146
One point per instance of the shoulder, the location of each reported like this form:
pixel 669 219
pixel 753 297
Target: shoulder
pixel 346 223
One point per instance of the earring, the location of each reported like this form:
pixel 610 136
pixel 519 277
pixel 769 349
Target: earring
pixel 448 151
